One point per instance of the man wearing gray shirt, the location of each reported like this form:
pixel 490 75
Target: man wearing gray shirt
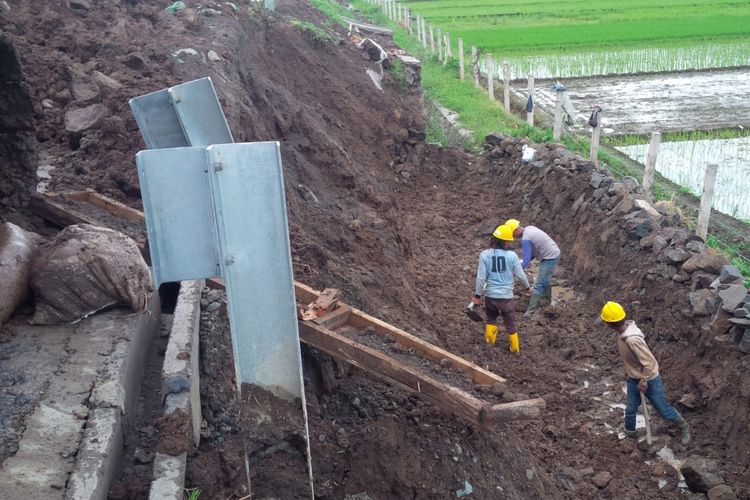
pixel 536 244
pixel 497 265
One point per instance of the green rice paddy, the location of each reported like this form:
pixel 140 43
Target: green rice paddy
pixel 581 38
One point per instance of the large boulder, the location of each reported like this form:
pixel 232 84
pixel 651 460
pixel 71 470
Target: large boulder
pixel 16 250
pixel 85 269
pixel 701 474
pixel 705 262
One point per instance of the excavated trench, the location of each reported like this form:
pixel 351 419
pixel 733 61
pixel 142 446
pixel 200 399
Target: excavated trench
pixel 397 225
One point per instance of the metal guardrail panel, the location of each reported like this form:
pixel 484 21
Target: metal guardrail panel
pixel 180 216
pixel 248 188
pixel 158 121
pixel 200 114
pixel 188 114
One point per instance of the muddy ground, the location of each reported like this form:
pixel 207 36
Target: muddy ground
pixel 397 225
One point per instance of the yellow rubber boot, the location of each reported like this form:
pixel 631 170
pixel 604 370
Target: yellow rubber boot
pixel 515 345
pixel 490 334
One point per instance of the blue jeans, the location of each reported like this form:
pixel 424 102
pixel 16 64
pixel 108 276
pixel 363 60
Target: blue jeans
pixel 544 277
pixel 655 395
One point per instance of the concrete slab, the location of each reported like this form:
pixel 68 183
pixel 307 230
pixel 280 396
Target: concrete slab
pixel 181 360
pixel 49 375
pixel 98 456
pixel 169 477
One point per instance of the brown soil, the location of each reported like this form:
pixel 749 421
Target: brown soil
pixel 397 226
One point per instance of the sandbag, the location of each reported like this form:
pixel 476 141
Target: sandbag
pixel 16 249
pixel 85 269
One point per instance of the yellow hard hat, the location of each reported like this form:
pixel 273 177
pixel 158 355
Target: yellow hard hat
pixel 504 233
pixel 612 312
pixel 512 224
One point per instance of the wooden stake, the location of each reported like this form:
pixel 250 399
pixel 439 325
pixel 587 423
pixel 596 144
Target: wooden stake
pixel 506 86
pixel 475 66
pixel 557 128
pixel 707 199
pixel 461 58
pixel 595 135
pixel 490 77
pixel 530 114
pixel 653 153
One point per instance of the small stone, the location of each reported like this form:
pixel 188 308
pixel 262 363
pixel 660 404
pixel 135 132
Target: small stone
pixel 695 246
pixel 701 280
pixel 105 81
pixel 676 255
pixel 82 119
pixel 742 312
pixel 213 307
pixel 689 400
pixel 499 389
pixel 529 474
pixel 743 322
pixel 342 439
pixel 601 479
pixel 213 56
pixel 322 438
pixel 142 457
pixel 80 5
pixel 720 323
pixel 721 492
pixel 445 363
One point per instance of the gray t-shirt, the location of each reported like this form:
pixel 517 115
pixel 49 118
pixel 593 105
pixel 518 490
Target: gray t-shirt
pixel 542 246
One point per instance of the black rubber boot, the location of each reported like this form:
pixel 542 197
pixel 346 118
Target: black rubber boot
pixel 631 434
pixel 533 304
pixel 548 294
pixel 684 429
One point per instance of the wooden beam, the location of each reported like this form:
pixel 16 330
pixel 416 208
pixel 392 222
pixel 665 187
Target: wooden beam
pixel 59 214
pixel 517 410
pixel 334 319
pixel 447 397
pixel 359 319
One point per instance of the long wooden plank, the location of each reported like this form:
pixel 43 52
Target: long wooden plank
pixel 449 398
pixel 59 214
pixel 105 203
pixel 359 319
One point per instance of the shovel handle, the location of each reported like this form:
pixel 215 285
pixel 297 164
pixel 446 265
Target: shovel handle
pixel 649 440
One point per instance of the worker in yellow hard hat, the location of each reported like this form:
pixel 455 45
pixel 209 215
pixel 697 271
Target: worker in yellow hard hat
pixel 497 265
pixel 642 370
pixel 535 243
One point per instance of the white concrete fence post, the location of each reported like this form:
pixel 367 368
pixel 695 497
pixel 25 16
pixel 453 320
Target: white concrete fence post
pixel 595 136
pixel 432 40
pixel 707 198
pixel 461 72
pixel 490 77
pixel 475 66
pixel 530 114
pixel 557 127
pixel 506 86
pixel 448 50
pixel 650 167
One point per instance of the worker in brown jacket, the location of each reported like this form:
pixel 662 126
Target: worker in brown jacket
pixel 642 370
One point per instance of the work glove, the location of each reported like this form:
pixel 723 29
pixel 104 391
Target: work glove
pixel 476 300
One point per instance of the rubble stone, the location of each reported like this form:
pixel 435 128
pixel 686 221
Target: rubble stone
pixel 730 274
pixel 720 322
pixel 742 312
pixel 82 119
pixel 701 280
pixel 704 302
pixel 646 207
pixel 660 243
pixel 601 479
pixel 732 297
pixel 744 344
pixel 721 492
pixel 705 262
pixel 676 255
pixel 701 474
pixel 695 246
